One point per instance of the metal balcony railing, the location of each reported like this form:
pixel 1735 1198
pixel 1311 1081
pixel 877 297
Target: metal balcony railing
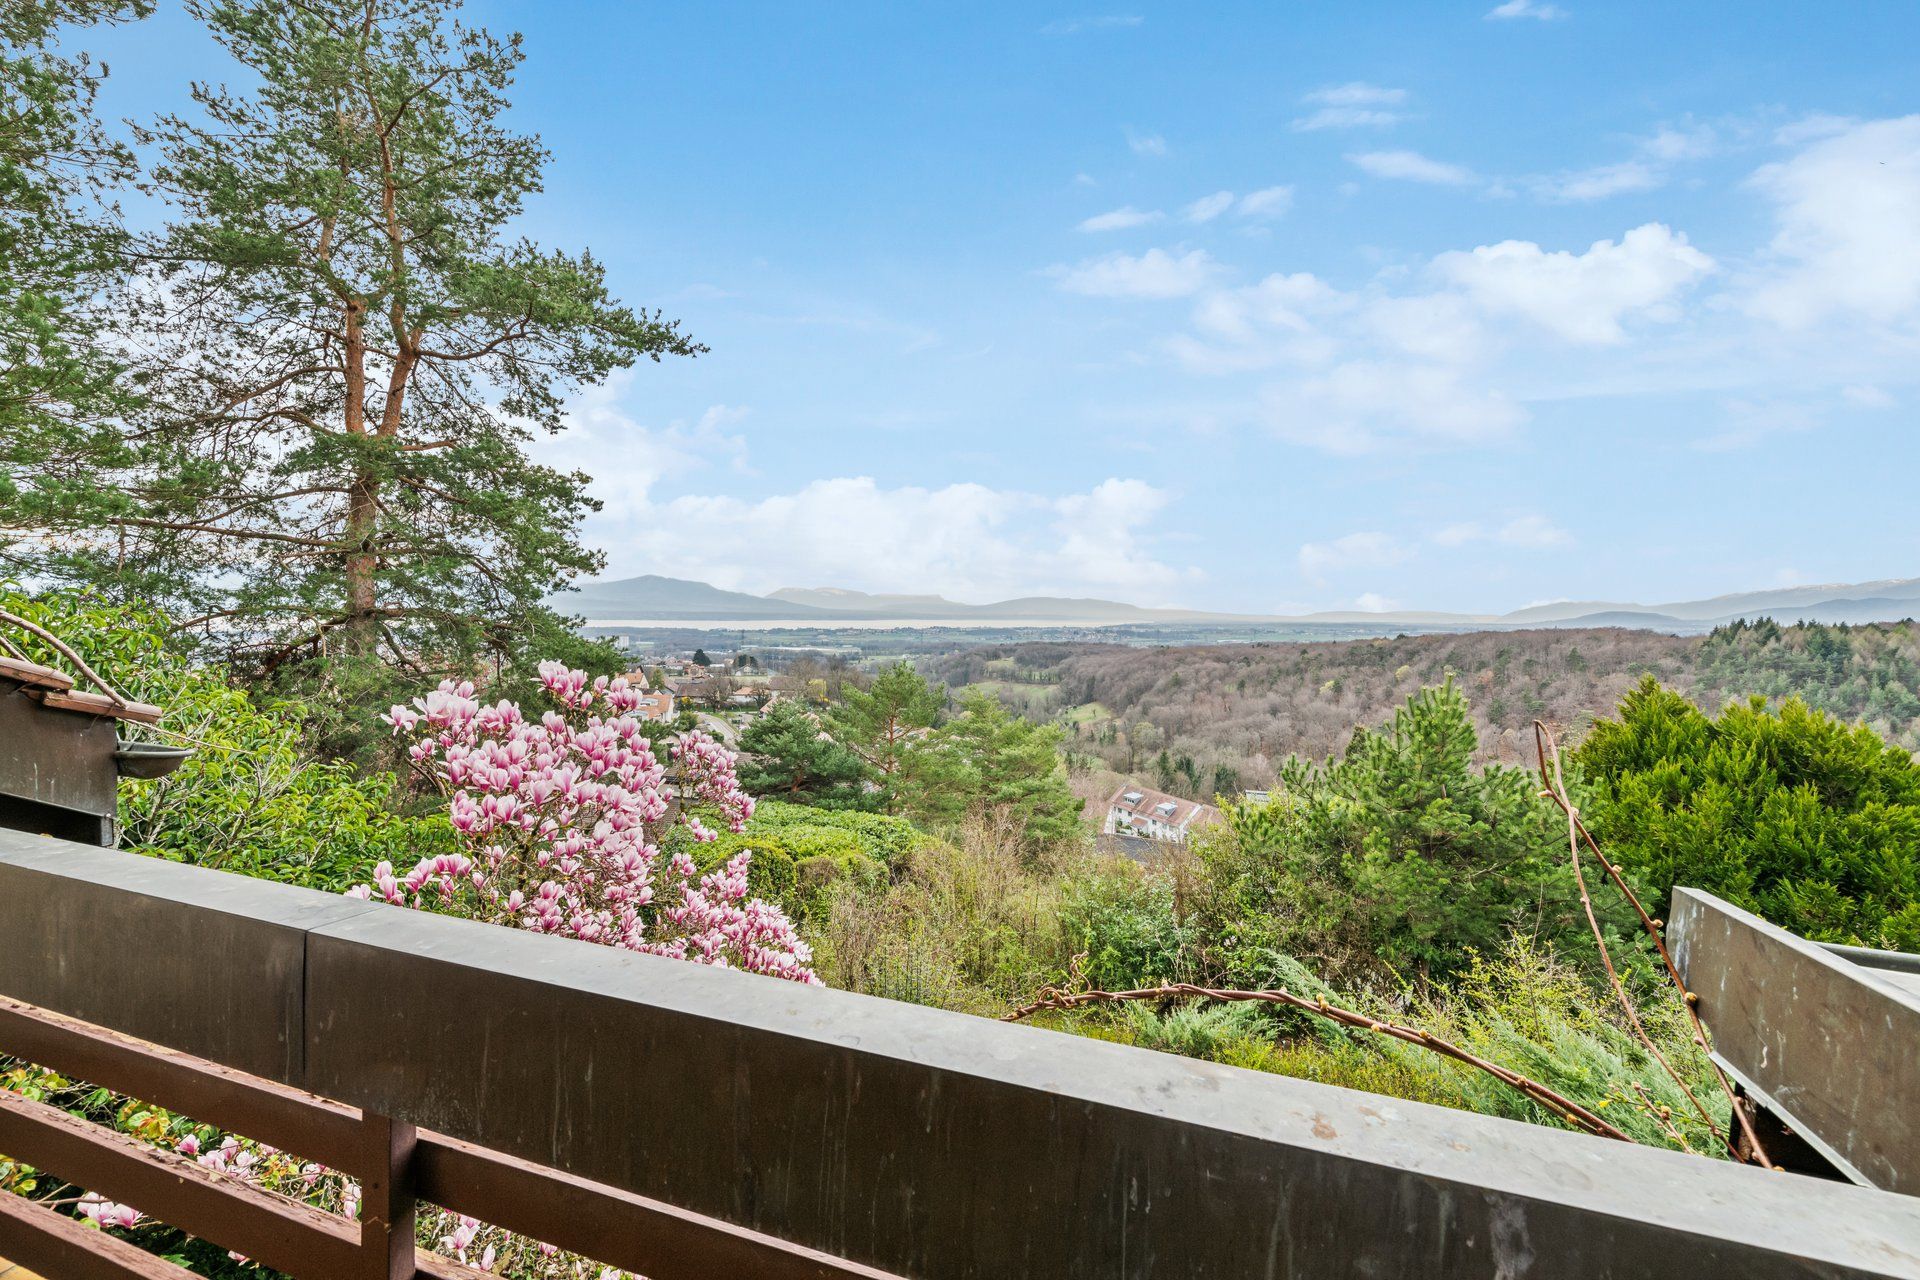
pixel 690 1123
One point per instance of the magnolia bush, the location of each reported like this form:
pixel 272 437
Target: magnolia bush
pixel 561 819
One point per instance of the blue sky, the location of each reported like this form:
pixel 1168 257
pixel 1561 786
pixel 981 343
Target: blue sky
pixel 1262 307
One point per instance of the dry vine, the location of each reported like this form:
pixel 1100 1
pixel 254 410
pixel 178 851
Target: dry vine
pixel 1554 788
pixel 1566 1108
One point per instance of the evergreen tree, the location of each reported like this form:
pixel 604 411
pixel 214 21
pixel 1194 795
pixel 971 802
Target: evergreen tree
pixel 989 761
pixel 1396 858
pixel 347 349
pixel 60 250
pixel 700 658
pixel 1806 821
pixel 887 726
pixel 787 756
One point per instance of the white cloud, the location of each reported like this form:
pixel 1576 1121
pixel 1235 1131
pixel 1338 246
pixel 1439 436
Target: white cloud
pixel 1268 202
pixel 1374 602
pixel 1146 144
pixel 1411 166
pixel 1352 106
pixel 1121 219
pixel 1691 142
pixel 1370 550
pixel 1649 168
pixel 1207 208
pixel 1153 274
pixel 1867 397
pixel 1848 206
pixel 1533 533
pixel 1600 182
pixel 1749 421
pixel 1581 297
pixel 1356 93
pixel 598 428
pixel 1362 406
pixel 1099 22
pixel 969 540
pixel 1443 327
pixel 1258 325
pixel 1526 9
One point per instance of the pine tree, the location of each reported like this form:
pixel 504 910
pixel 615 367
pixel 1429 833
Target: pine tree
pixel 989 761
pixel 347 351
pixel 786 755
pixel 61 249
pixel 1397 857
pixel 1809 822
pixel 886 725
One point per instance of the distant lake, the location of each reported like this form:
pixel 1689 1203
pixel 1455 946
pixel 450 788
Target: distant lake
pixel 847 624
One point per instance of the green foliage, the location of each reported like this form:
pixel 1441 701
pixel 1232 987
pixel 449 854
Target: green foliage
pixel 1520 1006
pixel 988 763
pixel 972 923
pixel 1869 674
pixel 344 347
pixel 1391 860
pixel 61 250
pixel 802 856
pixel 870 835
pixel 1811 823
pixel 1124 922
pixel 252 799
pixel 887 726
pixel 786 755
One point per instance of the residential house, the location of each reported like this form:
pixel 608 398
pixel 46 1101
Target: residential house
pixel 655 705
pixel 1155 815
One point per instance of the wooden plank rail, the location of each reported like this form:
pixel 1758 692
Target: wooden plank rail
pixel 395 1165
pixel 57 1245
pixel 692 1123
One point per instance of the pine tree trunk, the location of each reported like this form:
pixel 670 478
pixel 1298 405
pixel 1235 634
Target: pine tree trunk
pixel 363 499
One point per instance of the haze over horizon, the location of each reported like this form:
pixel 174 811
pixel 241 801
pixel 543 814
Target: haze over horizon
pixel 1248 309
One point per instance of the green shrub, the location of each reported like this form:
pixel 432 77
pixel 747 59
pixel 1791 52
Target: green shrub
pixel 875 835
pixel 1124 922
pixel 1522 1008
pixel 1387 864
pixel 972 924
pixel 1809 822
pixel 251 799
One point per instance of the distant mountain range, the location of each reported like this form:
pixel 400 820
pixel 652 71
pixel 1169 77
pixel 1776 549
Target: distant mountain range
pixel 654 599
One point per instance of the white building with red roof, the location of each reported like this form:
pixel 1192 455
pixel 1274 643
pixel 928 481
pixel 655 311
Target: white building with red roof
pixel 1155 815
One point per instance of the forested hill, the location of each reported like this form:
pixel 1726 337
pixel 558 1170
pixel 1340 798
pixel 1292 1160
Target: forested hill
pixel 1230 714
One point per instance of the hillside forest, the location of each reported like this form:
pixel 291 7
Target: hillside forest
pixel 264 463
pixel 1201 720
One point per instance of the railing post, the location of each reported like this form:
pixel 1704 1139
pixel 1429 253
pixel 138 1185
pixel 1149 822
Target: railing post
pixel 386 1198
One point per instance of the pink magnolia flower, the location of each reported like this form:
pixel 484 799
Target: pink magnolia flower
pixel 106 1213
pixel 562 815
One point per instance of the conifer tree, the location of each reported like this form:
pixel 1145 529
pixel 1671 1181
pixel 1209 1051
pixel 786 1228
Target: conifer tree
pixel 347 352
pixel 61 248
pixel 1807 821
pixel 887 726
pixel 786 755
